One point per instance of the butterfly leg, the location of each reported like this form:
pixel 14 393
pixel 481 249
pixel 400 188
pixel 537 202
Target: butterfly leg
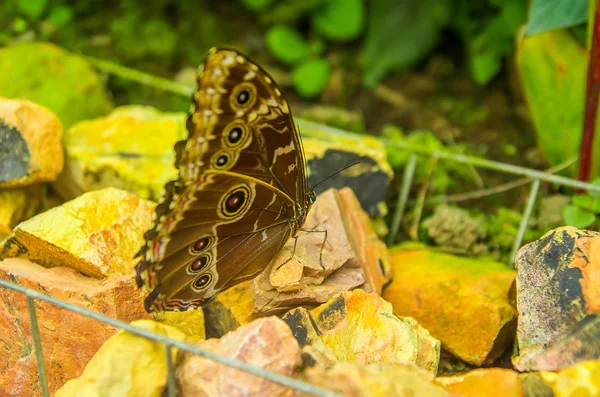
pixel 322 244
pixel 291 256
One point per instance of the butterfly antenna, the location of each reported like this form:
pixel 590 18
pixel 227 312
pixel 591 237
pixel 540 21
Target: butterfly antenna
pixel 335 173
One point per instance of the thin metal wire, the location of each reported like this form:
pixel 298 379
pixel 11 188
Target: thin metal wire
pixel 407 178
pixel 37 342
pixel 273 377
pixel 170 371
pixel 533 192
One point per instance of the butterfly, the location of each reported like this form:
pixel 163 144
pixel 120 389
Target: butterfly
pixel 240 195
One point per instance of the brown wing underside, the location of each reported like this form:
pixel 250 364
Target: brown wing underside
pixel 241 135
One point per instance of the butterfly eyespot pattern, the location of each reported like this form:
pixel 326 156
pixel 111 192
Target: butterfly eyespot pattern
pixel 221 160
pixel 201 245
pixel 199 264
pixel 235 135
pixel 240 193
pixel 203 281
pixel 243 96
pixel 235 202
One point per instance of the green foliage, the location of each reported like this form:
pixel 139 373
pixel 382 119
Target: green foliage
pixel 340 20
pixel 286 44
pixel 546 15
pixel 336 20
pixel 553 67
pixel 311 77
pixel 400 33
pixel 32 9
pixel 502 228
pixel 445 175
pixel 488 30
pixel 136 37
pixel 256 5
pixel 584 209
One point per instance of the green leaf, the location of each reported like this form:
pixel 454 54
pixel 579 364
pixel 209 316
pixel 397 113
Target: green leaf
pixel 32 9
pixel 545 15
pixel 60 15
pixel 311 77
pixel 596 195
pixel 575 216
pixel 19 25
pixel 256 5
pixel 341 20
pixel 286 44
pixel 491 37
pixel 400 33
pixel 553 67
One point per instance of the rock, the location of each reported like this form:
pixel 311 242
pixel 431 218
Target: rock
pixel 190 322
pixel 48 75
pixel 359 327
pixel 126 365
pixel 534 384
pixel 463 302
pixel 30 143
pixel 131 149
pixel 375 380
pixel 266 343
pixel 16 205
pixel 229 310
pixel 558 300
pixel 352 257
pixel 495 381
pixel 97 234
pixel 582 379
pixel 328 150
pixel 69 340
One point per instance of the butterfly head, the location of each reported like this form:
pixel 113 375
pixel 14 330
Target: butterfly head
pixel 311 197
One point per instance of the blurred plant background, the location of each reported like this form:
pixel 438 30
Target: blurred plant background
pixel 504 79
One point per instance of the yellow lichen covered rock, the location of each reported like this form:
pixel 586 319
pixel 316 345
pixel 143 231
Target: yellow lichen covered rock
pixel 17 205
pixel 190 322
pixel 359 327
pixel 375 380
pixel 126 365
pixel 98 234
pixel 462 301
pixel 582 379
pixel 491 382
pixel 131 149
pixel 30 143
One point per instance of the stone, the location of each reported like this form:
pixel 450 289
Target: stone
pixel 582 379
pixel 558 300
pixel 130 149
pixel 463 302
pixel 126 365
pixel 48 75
pixel 229 310
pixel 68 339
pixel 190 322
pixel 353 257
pixel 375 380
pixel 497 382
pixel 266 343
pixel 17 205
pixel 30 143
pixel 97 234
pixel 534 384
pixel 328 150
pixel 360 327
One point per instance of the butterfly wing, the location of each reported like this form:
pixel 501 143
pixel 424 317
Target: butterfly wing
pixel 243 124
pixel 242 148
